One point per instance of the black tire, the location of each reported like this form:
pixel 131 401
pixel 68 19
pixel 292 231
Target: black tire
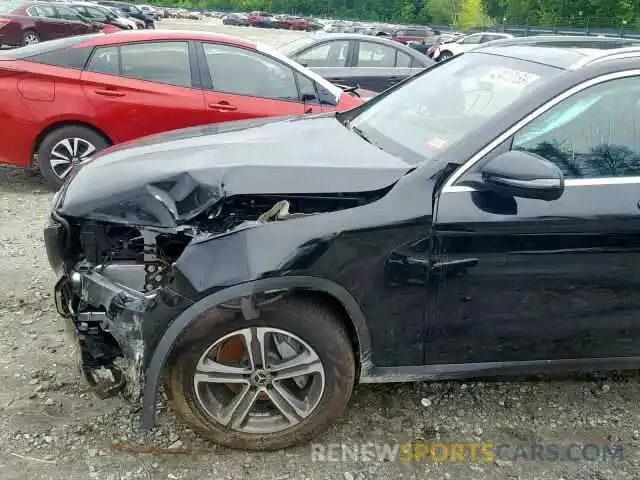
pixel 29 37
pixel 446 55
pixel 312 323
pixel 52 174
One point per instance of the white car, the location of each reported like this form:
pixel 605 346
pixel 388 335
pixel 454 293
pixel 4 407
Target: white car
pixel 469 42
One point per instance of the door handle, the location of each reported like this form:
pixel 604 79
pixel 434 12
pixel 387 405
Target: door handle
pixel 109 93
pixel 223 106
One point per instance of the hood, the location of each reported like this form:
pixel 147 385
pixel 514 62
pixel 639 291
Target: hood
pixel 167 179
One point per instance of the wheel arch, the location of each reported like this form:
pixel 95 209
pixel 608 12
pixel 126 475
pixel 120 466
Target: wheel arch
pixel 334 296
pixel 60 124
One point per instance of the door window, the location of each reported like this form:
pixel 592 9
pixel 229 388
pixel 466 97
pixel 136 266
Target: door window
pixel 162 62
pixel 307 88
pixel 593 134
pixel 243 72
pixel 376 55
pixel 403 60
pixel 472 39
pixel 105 60
pixel 330 54
pixel 68 14
pixel 42 11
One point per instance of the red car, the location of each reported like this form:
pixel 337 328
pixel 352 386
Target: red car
pixel 33 22
pixel 293 23
pixel 66 99
pixel 412 34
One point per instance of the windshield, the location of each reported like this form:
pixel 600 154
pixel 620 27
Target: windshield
pixel 439 108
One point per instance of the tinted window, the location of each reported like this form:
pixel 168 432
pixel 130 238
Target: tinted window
pixel 330 54
pixel 403 60
pixel 105 60
pixel 164 62
pixel 376 55
pixel 243 72
pixel 595 133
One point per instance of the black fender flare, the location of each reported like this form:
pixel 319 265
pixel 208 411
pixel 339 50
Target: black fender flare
pixel 163 349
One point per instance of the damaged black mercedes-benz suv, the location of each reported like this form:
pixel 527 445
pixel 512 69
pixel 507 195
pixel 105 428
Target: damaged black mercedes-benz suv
pixel 211 259
pixel 257 270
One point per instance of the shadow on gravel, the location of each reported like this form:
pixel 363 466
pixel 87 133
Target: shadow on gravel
pixel 20 180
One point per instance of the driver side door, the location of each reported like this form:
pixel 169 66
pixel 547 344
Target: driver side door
pixel 546 282
pixel 242 84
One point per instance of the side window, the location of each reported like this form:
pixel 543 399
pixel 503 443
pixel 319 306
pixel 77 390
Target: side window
pixel 472 39
pixel 592 134
pixel 307 87
pixel 94 13
pixel 243 72
pixel 105 60
pixel 403 60
pixel 68 14
pixel 376 55
pixel 163 62
pixel 42 11
pixel 330 54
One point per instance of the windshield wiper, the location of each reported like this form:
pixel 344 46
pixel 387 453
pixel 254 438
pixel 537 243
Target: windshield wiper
pixel 361 134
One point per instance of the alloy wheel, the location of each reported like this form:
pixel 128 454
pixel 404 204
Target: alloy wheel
pixel 31 38
pixel 259 380
pixel 68 153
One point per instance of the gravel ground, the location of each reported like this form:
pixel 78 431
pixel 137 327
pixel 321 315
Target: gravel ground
pixel 52 427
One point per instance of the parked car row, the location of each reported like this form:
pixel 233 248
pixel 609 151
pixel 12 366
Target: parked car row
pixel 26 23
pixel 268 20
pixel 478 219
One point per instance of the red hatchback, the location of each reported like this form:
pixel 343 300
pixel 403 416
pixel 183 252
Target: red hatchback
pixel 65 99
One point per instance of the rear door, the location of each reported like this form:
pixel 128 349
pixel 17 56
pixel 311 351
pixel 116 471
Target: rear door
pixel 74 23
pixel 143 88
pixel 241 84
pixel 330 60
pixel 48 25
pixel 378 66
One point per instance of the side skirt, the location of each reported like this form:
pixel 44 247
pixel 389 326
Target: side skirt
pixel 458 371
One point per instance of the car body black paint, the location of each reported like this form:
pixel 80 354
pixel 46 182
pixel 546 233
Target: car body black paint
pixel 416 270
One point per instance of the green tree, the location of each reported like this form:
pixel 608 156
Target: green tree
pixel 471 14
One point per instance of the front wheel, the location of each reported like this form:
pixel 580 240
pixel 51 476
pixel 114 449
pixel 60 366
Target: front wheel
pixel 263 384
pixel 446 55
pixel 64 148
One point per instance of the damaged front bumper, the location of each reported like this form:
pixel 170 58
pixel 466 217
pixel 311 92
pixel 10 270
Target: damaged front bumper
pixel 114 329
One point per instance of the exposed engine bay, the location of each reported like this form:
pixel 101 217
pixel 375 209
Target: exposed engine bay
pixel 141 258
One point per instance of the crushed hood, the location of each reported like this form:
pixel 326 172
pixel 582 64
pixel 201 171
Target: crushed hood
pixel 166 179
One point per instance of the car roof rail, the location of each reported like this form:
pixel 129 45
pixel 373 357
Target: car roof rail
pixel 607 55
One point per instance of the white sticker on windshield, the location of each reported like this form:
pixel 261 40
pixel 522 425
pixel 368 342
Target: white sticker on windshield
pixel 508 76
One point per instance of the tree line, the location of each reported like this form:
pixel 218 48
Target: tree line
pixel 463 14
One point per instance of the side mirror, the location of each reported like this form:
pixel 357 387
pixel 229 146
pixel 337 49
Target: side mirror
pixel 523 174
